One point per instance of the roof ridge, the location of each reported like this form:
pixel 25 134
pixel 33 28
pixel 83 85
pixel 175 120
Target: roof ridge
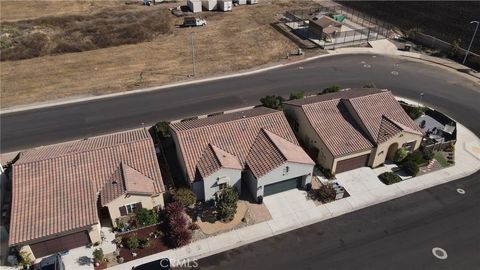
pixel 273 143
pixel 75 153
pixel 244 117
pixel 123 171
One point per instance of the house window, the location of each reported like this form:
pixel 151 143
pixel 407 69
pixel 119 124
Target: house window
pixel 131 208
pixel 409 146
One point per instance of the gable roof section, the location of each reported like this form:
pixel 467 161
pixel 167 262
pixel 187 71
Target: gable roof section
pixel 55 187
pixel 269 151
pixel 372 108
pixel 234 133
pixel 215 158
pixel 126 180
pixel 336 125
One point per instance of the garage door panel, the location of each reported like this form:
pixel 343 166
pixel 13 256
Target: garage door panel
pixel 59 244
pixel 352 163
pixel 282 186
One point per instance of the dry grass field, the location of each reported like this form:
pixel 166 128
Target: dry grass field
pixel 230 42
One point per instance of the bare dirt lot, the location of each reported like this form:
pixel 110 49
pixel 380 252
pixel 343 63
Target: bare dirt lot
pixel 231 41
pixel 446 20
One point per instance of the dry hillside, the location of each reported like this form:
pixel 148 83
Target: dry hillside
pixel 230 42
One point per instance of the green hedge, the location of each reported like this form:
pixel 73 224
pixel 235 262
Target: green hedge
pixel 389 178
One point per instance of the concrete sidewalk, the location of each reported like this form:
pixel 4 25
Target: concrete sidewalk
pixel 291 209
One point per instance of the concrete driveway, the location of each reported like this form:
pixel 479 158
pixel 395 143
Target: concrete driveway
pixel 288 203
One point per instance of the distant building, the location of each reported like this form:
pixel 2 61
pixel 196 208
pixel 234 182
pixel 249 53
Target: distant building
pixel 323 27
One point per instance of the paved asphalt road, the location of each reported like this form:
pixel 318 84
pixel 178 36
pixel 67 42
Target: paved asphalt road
pixel 447 91
pixel 399 234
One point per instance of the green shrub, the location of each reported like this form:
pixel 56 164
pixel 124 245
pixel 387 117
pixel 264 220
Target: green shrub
pixel 327 173
pixel 163 129
pixel 427 153
pixel 98 254
pixel 400 155
pixel 146 217
pixel 370 85
pixel 417 157
pixel 273 102
pixel 410 167
pixel 227 204
pixel 185 196
pixel 331 89
pixel 389 178
pixel 132 242
pixel 413 111
pixel 297 95
pixel 25 259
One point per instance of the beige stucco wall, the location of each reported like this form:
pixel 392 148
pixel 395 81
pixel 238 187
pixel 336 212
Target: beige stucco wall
pixel 210 186
pixel 28 250
pixel 381 151
pixel 308 135
pixel 181 161
pixel 94 233
pixel 147 202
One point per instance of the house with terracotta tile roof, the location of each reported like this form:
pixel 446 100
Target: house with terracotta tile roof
pixel 59 190
pixel 254 151
pixel 352 128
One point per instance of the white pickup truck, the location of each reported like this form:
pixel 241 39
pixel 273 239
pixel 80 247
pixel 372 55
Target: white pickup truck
pixel 192 21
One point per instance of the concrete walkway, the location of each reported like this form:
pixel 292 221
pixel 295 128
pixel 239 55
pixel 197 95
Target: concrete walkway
pixel 292 209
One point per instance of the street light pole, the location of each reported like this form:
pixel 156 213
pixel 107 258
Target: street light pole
pixel 471 42
pixel 193 55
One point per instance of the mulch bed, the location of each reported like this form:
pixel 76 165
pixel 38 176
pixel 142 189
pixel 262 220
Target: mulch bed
pixel 103 265
pixel 156 244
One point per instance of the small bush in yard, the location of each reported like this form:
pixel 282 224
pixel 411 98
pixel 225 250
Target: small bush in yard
pixel 297 95
pixel 410 167
pixel 132 242
pixel 227 204
pixel 331 89
pixel 400 155
pixel 389 178
pixel 176 227
pixel 185 196
pixel 273 102
pixel 98 254
pixel 146 217
pixel 326 193
pixel 163 129
pixel 427 153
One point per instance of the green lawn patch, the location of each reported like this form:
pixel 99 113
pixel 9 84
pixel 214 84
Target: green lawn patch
pixel 441 159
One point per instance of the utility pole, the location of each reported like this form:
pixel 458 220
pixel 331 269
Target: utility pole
pixel 471 42
pixel 193 55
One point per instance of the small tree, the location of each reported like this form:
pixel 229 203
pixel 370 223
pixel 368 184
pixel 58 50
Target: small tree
pixel 331 89
pixel 132 242
pixel 297 95
pixel 326 193
pixel 98 254
pixel 400 155
pixel 227 203
pixel 25 259
pixel 427 153
pixel 146 217
pixel 410 167
pixel 370 85
pixel 176 225
pixel 453 50
pixel 163 129
pixel 185 196
pixel 273 102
